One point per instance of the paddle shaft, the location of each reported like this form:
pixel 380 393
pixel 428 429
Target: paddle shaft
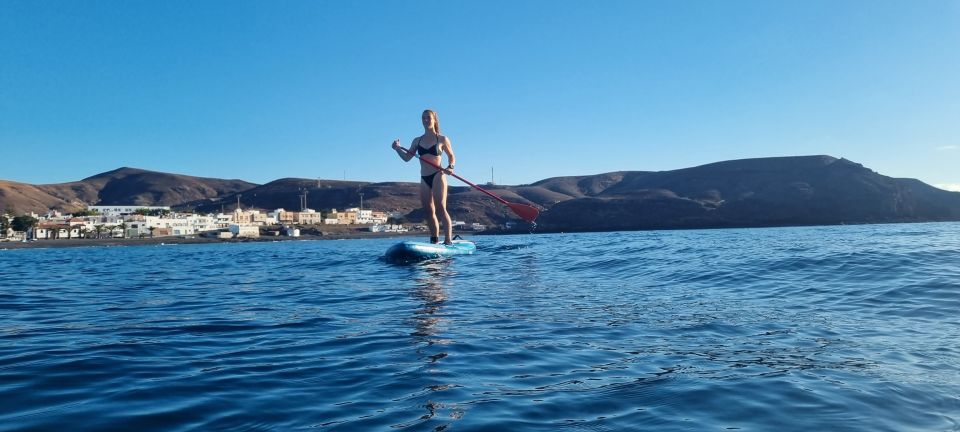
pixel 437 166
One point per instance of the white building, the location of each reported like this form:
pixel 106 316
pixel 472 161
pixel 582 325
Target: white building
pixel 357 216
pixel 224 220
pixel 51 230
pixel 175 224
pixel 309 217
pixel 282 216
pixel 240 230
pixel 363 216
pixel 203 223
pixel 249 217
pixel 388 228
pixel 116 210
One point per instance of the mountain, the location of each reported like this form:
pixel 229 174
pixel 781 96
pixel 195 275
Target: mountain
pixel 798 190
pixel 120 186
pixel 21 198
pixel 754 192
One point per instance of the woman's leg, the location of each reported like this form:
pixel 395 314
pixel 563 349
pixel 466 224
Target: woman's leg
pixel 440 202
pixel 430 212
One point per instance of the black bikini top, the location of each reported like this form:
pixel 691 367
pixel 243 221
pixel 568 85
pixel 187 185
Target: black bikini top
pixel 435 150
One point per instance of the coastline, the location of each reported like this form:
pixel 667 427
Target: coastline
pixel 341 234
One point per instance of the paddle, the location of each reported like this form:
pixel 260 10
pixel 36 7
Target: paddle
pixel 526 212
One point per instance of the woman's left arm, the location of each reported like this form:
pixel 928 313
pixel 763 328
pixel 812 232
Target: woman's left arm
pixel 449 149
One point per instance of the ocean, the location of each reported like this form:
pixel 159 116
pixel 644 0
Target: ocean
pixel 779 329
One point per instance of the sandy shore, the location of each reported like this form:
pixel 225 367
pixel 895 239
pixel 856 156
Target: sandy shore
pixel 333 234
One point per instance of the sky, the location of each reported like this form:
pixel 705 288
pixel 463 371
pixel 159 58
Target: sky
pixel 526 90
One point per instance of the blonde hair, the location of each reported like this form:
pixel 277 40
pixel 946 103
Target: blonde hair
pixel 436 121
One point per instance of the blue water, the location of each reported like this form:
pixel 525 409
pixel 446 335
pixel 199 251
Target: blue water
pixel 819 328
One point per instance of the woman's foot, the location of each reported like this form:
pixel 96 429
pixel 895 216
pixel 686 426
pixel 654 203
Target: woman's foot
pixel 434 240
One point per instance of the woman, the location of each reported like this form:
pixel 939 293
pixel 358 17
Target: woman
pixel 433 182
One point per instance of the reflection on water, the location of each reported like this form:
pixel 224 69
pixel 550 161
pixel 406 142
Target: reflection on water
pixel 430 281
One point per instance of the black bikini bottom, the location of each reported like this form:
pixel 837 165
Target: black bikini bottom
pixel 429 179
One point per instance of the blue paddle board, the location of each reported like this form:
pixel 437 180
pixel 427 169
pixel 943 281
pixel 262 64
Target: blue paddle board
pixel 415 250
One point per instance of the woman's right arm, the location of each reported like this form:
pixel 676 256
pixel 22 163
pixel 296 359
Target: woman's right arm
pixel 406 155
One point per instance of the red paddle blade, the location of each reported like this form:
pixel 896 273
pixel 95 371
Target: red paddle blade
pixel 526 212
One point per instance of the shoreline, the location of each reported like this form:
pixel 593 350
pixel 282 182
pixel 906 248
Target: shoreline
pixel 171 240
pixel 344 233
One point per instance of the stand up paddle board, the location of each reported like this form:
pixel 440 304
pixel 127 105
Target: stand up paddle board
pixel 416 251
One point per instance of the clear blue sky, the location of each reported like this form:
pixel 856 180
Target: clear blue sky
pixel 318 89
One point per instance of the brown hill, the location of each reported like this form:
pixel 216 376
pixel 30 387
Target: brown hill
pixel 750 192
pixel 21 198
pixel 755 192
pixel 798 190
pixel 120 186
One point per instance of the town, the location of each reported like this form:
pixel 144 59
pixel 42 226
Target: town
pixel 133 221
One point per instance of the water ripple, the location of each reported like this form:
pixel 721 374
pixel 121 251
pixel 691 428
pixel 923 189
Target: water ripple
pixel 819 328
